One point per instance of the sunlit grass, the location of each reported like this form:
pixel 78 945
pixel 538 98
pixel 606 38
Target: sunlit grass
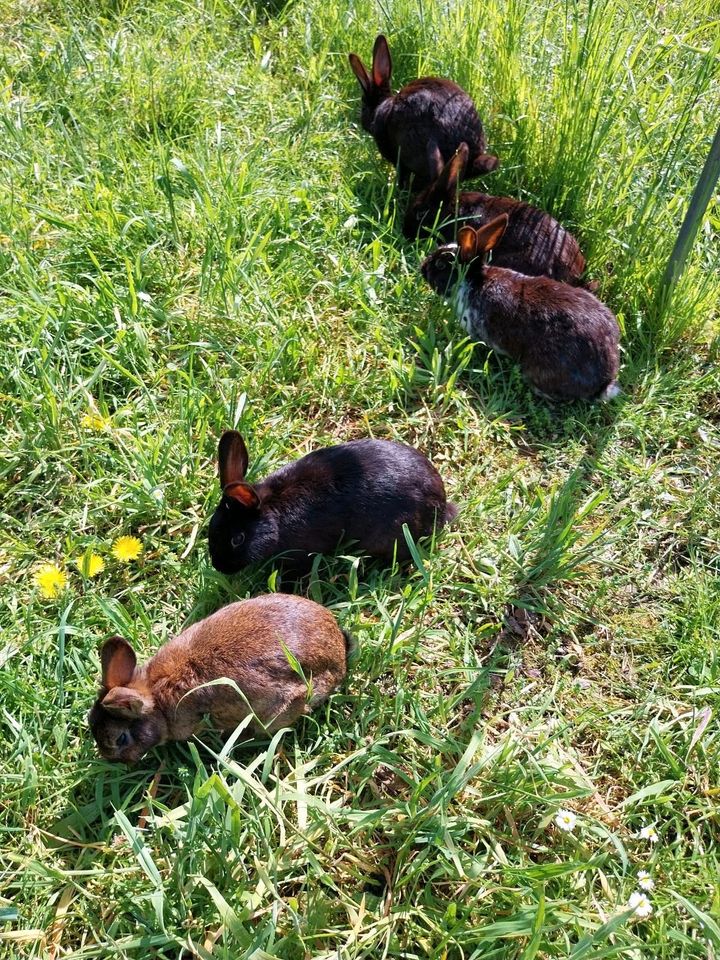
pixel 196 234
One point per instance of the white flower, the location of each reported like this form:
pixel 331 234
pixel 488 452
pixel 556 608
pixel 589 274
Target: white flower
pixel 645 881
pixel 640 905
pixel 566 820
pixel 649 833
pixel 231 91
pixel 145 297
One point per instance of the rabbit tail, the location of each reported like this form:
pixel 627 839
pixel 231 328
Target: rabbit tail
pixel 451 512
pixel 611 391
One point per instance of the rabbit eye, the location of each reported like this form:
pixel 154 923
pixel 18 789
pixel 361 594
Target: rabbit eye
pixel 122 740
pixel 238 540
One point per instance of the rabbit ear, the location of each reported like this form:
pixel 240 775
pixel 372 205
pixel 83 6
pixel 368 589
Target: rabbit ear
pixel 244 493
pixel 232 458
pixel 118 662
pixel 360 71
pixel 446 183
pixel 125 702
pixel 382 62
pixel 490 233
pixel 467 244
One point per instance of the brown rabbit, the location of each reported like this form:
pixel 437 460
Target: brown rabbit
pixel 285 653
pixel 420 127
pixel 565 340
pixel 534 242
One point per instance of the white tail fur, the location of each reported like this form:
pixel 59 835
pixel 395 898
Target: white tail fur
pixel 611 391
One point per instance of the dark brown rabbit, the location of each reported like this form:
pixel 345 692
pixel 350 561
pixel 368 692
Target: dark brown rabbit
pixel 284 655
pixel 565 339
pixel 362 491
pixel 534 242
pixel 420 127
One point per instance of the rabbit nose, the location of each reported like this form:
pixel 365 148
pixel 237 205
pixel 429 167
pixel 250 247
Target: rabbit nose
pixel 221 564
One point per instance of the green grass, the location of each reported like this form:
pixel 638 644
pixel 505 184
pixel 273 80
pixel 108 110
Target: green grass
pixel 195 233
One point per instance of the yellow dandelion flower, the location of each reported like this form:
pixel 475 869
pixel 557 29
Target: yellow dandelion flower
pixel 94 421
pixel 50 580
pixel 126 549
pixel 90 564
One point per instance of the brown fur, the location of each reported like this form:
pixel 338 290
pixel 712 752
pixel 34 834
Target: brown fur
pixel 243 642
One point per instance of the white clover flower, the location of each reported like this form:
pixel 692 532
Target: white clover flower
pixel 645 881
pixel 565 820
pixel 640 905
pixel 649 833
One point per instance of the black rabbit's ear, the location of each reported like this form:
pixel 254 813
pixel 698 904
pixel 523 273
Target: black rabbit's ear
pixel 360 71
pixel 467 244
pixel 118 662
pixel 382 62
pixel 490 233
pixel 446 184
pixel 243 493
pixel 232 458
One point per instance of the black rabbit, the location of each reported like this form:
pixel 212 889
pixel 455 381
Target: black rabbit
pixel 565 339
pixel 362 491
pixel 422 126
pixel 534 242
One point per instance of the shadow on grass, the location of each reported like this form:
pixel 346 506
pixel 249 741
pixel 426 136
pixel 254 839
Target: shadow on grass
pixel 331 579
pixel 558 536
pixel 165 778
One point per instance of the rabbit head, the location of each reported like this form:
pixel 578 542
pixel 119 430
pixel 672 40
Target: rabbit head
pixel 375 86
pixel 235 534
pixel 437 202
pixel 124 720
pixel 441 268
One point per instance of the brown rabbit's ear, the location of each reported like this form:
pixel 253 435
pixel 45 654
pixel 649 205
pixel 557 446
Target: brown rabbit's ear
pixel 382 62
pixel 126 702
pixel 446 183
pixel 360 71
pixel 232 458
pixel 118 662
pixel 467 244
pixel 244 493
pixel 489 234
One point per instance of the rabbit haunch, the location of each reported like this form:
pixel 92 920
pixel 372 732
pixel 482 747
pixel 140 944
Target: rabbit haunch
pixel 565 339
pixel 362 491
pixel 250 643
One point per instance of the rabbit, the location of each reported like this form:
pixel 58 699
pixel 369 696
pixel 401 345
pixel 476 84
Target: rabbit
pixel 364 491
pixel 285 653
pixel 534 242
pixel 565 339
pixel 420 127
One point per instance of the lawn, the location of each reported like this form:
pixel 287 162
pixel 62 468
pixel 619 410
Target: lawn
pixel 195 234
